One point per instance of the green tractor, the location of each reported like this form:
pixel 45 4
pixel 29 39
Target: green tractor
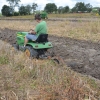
pixel 41 48
pixel 44 15
pixel 96 11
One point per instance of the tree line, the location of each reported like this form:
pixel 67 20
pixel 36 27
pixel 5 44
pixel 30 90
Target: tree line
pixel 49 8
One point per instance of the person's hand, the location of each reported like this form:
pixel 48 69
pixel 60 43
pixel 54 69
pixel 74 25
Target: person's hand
pixel 31 31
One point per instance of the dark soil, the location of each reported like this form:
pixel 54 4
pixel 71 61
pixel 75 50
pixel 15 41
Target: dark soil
pixel 81 56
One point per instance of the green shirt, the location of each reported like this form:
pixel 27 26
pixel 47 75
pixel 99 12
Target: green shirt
pixel 41 28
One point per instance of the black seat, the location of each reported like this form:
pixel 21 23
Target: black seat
pixel 42 38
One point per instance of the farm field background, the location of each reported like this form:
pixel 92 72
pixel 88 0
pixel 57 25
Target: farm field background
pixel 79 29
pixel 69 15
pixel 77 42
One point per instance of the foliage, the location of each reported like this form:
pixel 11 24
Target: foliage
pixel 60 9
pixel 16 13
pixel 63 9
pixel 99 11
pixel 50 7
pixel 88 7
pixel 82 7
pixel 13 3
pixel 66 9
pixel 34 6
pixel 28 9
pixel 25 10
pixel 22 10
pixel 7 11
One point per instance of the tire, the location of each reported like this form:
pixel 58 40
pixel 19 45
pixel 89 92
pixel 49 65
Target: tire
pixel 30 52
pixel 16 46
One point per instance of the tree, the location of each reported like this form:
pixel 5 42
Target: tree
pixel 88 7
pixel 28 9
pixel 66 9
pixel 34 6
pixel 73 9
pixel 22 10
pixel 16 13
pixel 79 6
pixel 60 9
pixel 99 11
pixel 50 8
pixel 7 11
pixel 13 3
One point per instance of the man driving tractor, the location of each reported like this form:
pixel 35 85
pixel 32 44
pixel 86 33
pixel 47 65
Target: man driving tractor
pixel 39 46
pixel 41 28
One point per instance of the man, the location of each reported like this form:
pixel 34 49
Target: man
pixel 41 28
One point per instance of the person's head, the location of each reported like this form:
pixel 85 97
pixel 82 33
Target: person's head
pixel 38 17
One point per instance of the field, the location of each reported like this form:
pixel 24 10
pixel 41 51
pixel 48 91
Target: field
pixel 76 41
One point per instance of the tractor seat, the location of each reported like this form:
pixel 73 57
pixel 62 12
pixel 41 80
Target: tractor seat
pixel 42 38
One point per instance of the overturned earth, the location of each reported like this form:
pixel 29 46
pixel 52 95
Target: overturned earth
pixel 80 55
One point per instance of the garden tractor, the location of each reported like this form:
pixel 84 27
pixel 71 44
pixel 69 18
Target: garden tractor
pixel 41 48
pixel 44 15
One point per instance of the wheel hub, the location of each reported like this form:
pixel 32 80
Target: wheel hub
pixel 27 52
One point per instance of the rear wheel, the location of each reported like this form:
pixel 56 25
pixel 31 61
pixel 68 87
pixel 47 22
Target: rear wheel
pixel 30 52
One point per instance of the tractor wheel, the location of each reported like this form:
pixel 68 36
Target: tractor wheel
pixel 16 46
pixel 30 52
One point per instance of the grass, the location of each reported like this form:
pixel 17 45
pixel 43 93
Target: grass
pixel 42 80
pixel 68 15
pixel 77 30
pixel 71 15
pixel 4 60
pixel 0 14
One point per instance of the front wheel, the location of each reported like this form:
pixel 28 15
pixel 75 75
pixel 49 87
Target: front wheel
pixel 16 46
pixel 30 52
